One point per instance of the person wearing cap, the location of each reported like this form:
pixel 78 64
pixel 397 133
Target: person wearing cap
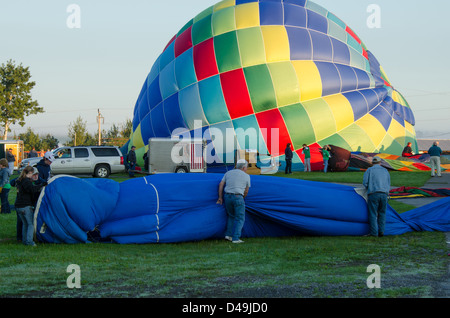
pixel 326 156
pixel 5 186
pixel 435 159
pixel 306 151
pixel 43 167
pixel 235 183
pixel 25 202
pixel 377 181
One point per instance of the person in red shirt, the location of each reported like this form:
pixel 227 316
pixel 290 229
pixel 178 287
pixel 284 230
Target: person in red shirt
pixel 407 151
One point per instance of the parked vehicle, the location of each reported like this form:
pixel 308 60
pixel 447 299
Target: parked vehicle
pixel 29 162
pixel 17 150
pixel 100 161
pixel 168 155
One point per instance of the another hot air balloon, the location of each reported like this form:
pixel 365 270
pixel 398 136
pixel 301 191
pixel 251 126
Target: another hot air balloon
pixel 248 74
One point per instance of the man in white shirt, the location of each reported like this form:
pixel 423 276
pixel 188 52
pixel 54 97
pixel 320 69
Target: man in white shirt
pixel 235 183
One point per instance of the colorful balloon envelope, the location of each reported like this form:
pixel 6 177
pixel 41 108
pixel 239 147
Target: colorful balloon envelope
pixel 248 74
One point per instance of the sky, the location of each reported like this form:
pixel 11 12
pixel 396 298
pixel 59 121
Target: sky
pixel 102 62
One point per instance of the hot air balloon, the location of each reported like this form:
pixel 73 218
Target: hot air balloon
pixel 248 74
pixel 170 208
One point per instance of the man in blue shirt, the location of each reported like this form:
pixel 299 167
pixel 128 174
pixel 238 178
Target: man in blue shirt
pixel 378 184
pixel 435 159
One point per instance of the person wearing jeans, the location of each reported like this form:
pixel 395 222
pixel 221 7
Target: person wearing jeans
pixel 378 184
pixel 326 156
pixel 377 205
pixel 26 214
pixel 26 193
pixel 288 154
pixel 307 154
pixel 235 183
pixel 5 186
pixel 132 161
pixel 235 207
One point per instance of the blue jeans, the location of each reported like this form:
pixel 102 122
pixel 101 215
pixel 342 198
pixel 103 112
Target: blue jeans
pixel 235 206
pixel 5 202
pixel 288 168
pixel 27 215
pixel 377 205
pixel 325 168
pixel 131 169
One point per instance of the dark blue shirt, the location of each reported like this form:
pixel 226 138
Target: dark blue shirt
pixel 435 151
pixel 288 153
pixel 44 171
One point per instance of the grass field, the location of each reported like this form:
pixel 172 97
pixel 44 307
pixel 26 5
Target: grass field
pixel 412 265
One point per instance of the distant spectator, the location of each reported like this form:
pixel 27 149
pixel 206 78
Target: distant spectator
pixel 307 154
pixel 435 159
pixel 4 185
pixel 326 156
pixel 407 151
pixel 11 160
pixel 145 157
pixel 288 155
pixel 33 153
pixel 132 161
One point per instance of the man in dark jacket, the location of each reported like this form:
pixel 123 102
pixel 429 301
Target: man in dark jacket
pixel 132 161
pixel 43 167
pixel 288 157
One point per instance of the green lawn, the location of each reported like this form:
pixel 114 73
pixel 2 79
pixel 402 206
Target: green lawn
pixel 412 265
pixel 398 178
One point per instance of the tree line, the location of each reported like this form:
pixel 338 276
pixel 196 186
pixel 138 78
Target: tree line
pixel 16 104
pixel 78 134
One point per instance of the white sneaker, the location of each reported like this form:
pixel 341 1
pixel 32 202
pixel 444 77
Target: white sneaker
pixel 229 238
pixel 238 241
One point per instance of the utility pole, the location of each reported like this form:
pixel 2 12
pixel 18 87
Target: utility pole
pixel 100 119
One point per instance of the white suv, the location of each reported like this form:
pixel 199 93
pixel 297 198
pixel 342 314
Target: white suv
pixel 100 161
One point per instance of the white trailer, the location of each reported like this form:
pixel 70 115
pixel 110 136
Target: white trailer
pixel 168 155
